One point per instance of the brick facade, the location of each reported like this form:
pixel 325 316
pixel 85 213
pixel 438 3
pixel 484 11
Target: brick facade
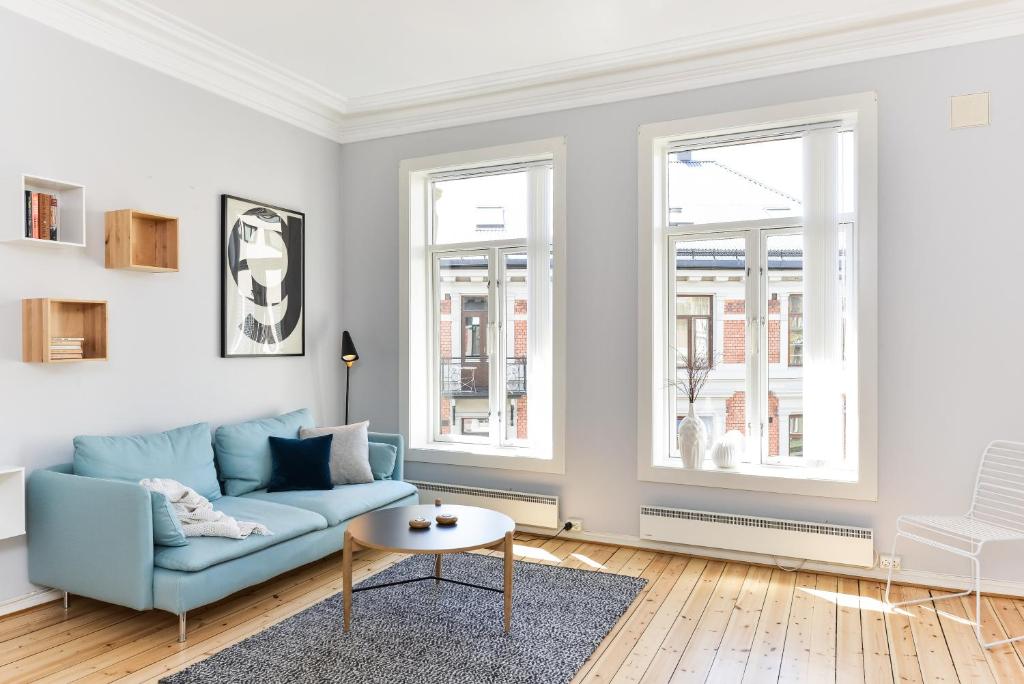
pixel 736 418
pixel 733 342
pixel 445 343
pixel 519 344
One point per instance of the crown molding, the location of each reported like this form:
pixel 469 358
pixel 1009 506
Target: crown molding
pixel 150 36
pixel 764 50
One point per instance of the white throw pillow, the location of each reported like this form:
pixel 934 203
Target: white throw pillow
pixel 350 451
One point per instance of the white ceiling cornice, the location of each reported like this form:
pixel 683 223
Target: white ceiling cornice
pixel 157 39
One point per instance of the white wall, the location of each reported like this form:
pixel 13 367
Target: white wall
pixel 951 331
pixel 139 139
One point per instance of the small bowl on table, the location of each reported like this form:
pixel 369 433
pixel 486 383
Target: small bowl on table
pixel 447 519
pixel 419 523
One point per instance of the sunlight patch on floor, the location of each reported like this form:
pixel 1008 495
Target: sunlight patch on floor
pixel 534 553
pixel 583 559
pixel 855 601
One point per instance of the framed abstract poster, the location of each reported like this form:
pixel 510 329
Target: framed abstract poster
pixel 262 279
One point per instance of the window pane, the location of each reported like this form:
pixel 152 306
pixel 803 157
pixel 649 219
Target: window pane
pixel 743 182
pixel 785 322
pixel 464 357
pixel 490 207
pixel 710 328
pixel 516 334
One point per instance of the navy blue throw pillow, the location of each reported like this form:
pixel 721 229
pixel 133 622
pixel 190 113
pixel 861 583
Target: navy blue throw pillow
pixel 300 464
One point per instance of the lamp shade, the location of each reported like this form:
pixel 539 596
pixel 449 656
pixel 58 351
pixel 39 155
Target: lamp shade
pixel 348 349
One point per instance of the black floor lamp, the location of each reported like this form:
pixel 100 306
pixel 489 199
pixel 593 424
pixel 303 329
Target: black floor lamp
pixel 349 355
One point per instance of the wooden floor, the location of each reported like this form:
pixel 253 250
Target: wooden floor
pixel 697 620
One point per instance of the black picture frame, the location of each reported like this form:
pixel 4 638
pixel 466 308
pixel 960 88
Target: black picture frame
pixel 235 342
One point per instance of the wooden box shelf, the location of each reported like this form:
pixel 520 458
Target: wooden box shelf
pixel 44 319
pixel 141 241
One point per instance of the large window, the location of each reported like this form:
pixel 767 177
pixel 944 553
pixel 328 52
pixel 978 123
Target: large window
pixel 751 230
pixel 484 241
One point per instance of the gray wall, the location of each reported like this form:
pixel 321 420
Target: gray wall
pixel 139 139
pixel 950 282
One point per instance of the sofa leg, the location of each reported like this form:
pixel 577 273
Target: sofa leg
pixel 181 628
pixel 67 598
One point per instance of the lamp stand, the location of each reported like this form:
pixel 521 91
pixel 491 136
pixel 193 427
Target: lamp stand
pixel 348 371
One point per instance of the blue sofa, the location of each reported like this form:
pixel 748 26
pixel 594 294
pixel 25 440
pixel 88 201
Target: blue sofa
pixel 93 536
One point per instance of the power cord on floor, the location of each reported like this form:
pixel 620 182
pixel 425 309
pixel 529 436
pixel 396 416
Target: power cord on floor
pixel 784 568
pixel 565 528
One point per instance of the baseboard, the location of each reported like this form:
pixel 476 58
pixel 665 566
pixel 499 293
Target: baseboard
pixel 31 600
pixel 922 578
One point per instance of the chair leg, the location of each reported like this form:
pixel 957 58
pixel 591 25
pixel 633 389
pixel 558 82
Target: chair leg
pixel 67 601
pixel 912 602
pixel 182 629
pixel 888 581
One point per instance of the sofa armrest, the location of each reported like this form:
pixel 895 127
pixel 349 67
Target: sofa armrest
pixel 399 443
pixel 91 537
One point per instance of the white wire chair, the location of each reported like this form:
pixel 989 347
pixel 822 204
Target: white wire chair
pixel 996 515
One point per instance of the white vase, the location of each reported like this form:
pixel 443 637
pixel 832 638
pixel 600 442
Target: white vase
pixel 726 453
pixel 692 440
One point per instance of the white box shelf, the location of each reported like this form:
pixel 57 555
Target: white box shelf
pixel 71 205
pixel 12 501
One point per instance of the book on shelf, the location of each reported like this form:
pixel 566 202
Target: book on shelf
pixel 42 216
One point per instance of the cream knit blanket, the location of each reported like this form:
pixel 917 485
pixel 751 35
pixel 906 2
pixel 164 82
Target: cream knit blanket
pixel 196 513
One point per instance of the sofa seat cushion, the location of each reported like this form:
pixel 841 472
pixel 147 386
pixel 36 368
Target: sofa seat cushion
pixel 342 502
pixel 286 522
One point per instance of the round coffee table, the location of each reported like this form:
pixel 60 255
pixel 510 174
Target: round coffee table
pixel 388 529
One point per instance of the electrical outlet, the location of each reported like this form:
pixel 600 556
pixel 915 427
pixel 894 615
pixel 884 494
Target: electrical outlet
pixel 577 524
pixel 886 562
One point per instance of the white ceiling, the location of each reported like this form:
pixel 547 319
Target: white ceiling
pixel 369 47
pixel 358 69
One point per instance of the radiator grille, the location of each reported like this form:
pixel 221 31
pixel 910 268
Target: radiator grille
pixel 755 521
pixel 487 493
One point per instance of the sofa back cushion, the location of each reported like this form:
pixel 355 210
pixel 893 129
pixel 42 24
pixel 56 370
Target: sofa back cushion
pixel 243 449
pixel 183 454
pixel 382 460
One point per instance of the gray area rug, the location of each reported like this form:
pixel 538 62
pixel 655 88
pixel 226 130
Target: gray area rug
pixel 421 633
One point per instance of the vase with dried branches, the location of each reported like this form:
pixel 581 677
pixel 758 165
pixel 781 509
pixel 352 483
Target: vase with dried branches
pixel 693 371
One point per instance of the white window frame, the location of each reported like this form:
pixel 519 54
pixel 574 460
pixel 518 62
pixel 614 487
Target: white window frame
pixel 417 405
pixel 655 141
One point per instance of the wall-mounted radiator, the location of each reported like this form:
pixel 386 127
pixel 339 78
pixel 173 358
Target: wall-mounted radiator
pixel 770 536
pixel 537 510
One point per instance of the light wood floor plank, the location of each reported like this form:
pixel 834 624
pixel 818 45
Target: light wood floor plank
pixel 1012 621
pixel 932 652
pixel 902 648
pixel 696 620
pixel 617 652
pixel 665 660
pixel 766 654
pixel 1002 660
pixel 796 652
pixel 700 653
pixel 849 641
pixel 822 662
pixel 734 652
pixel 968 659
pixel 877 663
pixel 651 573
pixel 632 670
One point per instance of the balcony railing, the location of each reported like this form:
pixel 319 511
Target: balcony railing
pixel 465 378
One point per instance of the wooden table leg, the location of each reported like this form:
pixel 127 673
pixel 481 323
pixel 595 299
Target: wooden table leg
pixel 346 573
pixel 437 568
pixel 508 581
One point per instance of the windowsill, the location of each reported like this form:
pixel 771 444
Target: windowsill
pixel 483 456
pixel 825 482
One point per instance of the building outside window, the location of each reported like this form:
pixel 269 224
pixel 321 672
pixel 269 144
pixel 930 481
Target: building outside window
pixel 796 435
pixel 796 330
